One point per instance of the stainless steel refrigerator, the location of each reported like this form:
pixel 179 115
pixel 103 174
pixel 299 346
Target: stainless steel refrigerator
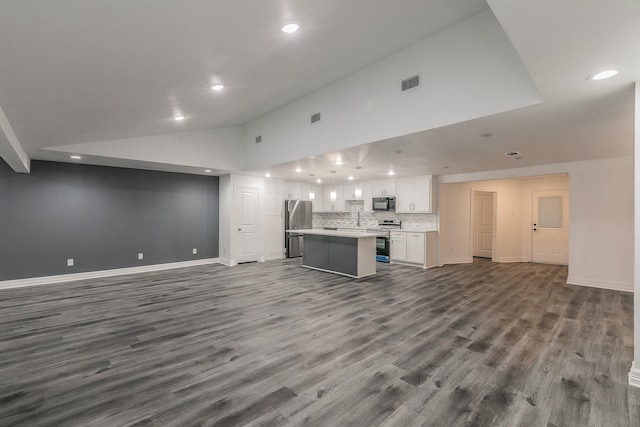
pixel 298 215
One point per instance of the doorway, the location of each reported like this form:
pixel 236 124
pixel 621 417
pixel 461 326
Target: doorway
pixel 550 229
pixel 246 224
pixel 483 224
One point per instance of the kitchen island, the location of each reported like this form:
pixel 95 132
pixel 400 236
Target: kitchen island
pixel 350 253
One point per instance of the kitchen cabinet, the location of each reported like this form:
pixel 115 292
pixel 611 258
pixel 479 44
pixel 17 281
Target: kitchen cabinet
pixel 350 191
pixel 413 195
pixel 329 205
pixel 414 248
pixel 293 190
pixel 398 246
pixel 384 188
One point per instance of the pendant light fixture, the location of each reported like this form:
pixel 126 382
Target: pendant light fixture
pixel 358 192
pixel 332 194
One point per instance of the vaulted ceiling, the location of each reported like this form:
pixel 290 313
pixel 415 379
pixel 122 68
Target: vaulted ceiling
pixel 106 79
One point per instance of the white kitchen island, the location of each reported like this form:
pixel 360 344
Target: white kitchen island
pixel 350 253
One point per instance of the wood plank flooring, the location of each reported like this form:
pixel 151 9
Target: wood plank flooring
pixel 274 344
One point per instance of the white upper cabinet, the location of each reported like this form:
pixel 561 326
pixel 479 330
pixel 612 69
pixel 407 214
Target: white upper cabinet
pixel 414 195
pixel 350 191
pixel 316 190
pixel 336 205
pixel 384 188
pixel 293 191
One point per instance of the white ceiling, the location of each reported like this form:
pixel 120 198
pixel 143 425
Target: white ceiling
pixel 81 71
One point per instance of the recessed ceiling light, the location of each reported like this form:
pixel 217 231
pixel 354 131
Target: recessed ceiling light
pixel 268 175
pixel 604 75
pixel 207 170
pixel 391 173
pixel 298 170
pixel 318 181
pixel 338 162
pixel 351 178
pixel 178 118
pixel 217 87
pixel 290 28
pixel 76 157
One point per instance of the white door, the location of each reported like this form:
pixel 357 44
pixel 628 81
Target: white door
pixel 550 239
pixel 483 224
pixel 246 224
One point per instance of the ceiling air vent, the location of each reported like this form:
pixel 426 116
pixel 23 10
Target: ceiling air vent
pixel 315 118
pixel 514 154
pixel 411 82
pixel 258 139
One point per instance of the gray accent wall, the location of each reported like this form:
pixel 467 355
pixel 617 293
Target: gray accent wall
pixel 102 217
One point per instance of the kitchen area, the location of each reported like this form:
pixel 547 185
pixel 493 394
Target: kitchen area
pixel 384 221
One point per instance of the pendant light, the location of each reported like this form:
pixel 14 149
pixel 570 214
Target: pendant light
pixel 358 192
pixel 332 194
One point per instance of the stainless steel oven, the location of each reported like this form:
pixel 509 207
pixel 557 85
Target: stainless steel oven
pixel 383 245
pixel 383 241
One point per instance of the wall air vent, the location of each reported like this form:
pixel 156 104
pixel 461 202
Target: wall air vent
pixel 258 139
pixel 410 83
pixel 315 118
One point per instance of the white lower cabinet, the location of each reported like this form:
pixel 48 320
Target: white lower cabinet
pixel 417 248
pixel 398 247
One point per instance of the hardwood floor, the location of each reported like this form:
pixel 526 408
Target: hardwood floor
pixel 274 344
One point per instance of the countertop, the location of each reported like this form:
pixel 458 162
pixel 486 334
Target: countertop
pixel 355 233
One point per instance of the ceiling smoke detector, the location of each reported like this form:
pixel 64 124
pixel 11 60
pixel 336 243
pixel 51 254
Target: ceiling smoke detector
pixel 514 154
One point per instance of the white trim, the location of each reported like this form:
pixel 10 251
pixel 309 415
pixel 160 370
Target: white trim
pixel 61 278
pixel 228 262
pixel 512 259
pixel 603 284
pixel 634 375
pixel 444 261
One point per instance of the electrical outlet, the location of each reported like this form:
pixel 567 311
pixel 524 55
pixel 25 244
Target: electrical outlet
pixel 70 262
pixel 140 255
pixel 195 251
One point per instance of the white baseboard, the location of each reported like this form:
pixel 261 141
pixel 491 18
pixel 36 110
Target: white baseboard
pixel 634 375
pixel 61 278
pixel 228 262
pixel 603 284
pixel 444 261
pixel 511 259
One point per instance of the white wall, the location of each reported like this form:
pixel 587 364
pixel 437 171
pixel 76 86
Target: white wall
pixel 478 73
pixel 601 224
pixel 214 149
pixel 600 218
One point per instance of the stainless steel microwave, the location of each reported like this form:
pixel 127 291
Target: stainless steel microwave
pixel 384 204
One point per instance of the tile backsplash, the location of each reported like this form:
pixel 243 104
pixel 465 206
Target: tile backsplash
pixel 417 222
